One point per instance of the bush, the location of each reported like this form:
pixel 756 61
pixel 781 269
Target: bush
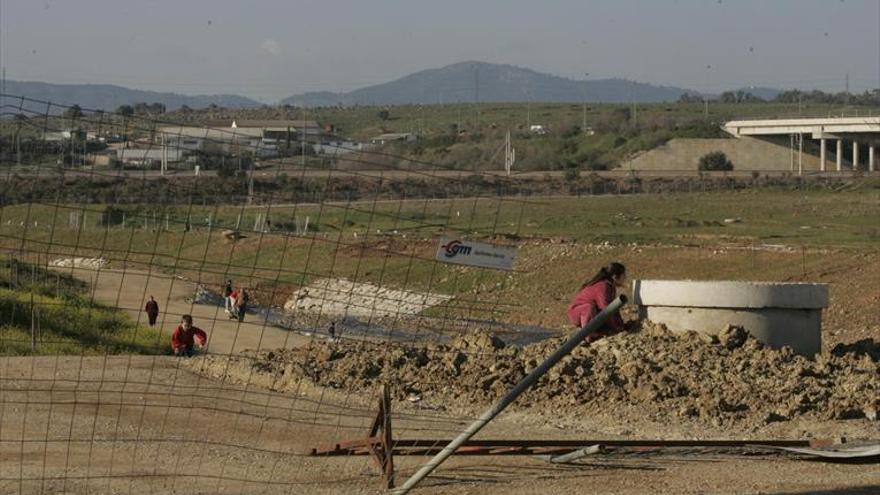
pixel 715 160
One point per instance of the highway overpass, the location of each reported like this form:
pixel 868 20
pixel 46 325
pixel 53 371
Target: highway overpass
pixel 854 137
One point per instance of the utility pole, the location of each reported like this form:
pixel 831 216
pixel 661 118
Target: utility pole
pixel 302 139
pixel 706 94
pixel 584 123
pixel 509 155
pixel 634 111
pixel 477 97
pixel 528 111
pixel 164 155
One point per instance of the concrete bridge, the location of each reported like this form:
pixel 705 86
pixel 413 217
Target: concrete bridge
pixel 861 133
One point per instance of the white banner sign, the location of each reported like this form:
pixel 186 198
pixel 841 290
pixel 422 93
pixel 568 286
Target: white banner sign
pixel 475 254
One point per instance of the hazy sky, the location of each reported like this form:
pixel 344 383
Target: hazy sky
pixel 270 49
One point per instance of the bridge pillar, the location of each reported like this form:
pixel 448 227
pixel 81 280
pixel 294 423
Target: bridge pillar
pixel 839 155
pixel 823 152
pixel 855 160
pixel 872 166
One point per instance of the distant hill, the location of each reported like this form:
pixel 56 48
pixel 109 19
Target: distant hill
pixel 458 83
pixel 108 97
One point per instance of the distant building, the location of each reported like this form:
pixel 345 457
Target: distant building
pixel 195 139
pixel 148 157
pixel 392 137
pixel 336 147
pixel 60 136
pixel 279 130
pixel 538 129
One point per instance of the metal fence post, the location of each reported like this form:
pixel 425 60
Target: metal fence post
pixel 530 379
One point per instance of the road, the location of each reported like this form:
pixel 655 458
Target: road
pixel 268 173
pixel 130 289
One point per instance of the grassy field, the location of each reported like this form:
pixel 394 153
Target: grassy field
pixel 64 320
pixel 751 234
pixel 393 243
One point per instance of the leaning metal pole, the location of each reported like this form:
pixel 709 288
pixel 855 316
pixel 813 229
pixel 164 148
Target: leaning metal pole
pixel 511 396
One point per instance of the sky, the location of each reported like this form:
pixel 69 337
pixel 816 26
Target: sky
pixel 271 49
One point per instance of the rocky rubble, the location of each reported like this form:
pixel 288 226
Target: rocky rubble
pixel 722 380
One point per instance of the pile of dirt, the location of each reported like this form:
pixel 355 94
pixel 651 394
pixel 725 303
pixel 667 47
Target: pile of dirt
pixel 726 379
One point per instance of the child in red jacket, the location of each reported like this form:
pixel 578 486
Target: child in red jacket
pixel 595 295
pixel 186 336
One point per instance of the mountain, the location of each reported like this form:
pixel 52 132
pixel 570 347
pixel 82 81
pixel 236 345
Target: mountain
pixel 485 82
pixel 108 97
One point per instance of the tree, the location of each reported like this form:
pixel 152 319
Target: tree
pixel 715 160
pixel 739 96
pixel 156 108
pixel 74 112
pixel 690 98
pixel 383 115
pixel 125 110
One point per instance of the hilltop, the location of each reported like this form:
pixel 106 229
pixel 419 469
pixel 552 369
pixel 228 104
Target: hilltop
pixel 108 97
pixel 466 82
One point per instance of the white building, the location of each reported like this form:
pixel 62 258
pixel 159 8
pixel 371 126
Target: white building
pixel 148 156
pixel 393 136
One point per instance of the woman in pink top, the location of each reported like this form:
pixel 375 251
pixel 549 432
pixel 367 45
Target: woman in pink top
pixel 595 295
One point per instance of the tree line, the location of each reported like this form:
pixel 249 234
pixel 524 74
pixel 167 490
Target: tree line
pixel 868 98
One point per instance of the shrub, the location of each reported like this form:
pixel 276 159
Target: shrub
pixel 715 160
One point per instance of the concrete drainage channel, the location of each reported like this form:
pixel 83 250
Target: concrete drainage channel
pixel 777 314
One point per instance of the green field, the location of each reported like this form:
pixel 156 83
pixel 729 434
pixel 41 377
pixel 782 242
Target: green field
pixel 749 234
pixel 49 313
pixel 394 242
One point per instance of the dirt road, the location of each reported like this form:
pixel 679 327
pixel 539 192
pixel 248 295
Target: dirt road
pixel 139 424
pixel 129 290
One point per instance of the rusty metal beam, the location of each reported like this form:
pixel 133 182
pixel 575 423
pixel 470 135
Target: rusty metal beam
pixel 531 447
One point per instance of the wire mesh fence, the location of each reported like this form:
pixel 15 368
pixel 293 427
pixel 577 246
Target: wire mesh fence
pixel 113 227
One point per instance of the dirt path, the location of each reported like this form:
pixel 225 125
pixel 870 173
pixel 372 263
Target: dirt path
pixel 142 424
pixel 130 289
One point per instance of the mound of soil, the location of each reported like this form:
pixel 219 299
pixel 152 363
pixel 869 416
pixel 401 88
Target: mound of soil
pixel 721 380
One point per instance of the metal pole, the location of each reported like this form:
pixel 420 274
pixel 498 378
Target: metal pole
pixel 574 341
pixel 584 123
pixel 33 327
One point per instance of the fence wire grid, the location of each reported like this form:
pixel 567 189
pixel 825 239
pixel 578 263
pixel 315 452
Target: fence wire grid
pixel 101 212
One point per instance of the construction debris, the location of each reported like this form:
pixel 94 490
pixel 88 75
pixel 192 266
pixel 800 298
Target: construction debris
pixel 88 263
pixel 722 381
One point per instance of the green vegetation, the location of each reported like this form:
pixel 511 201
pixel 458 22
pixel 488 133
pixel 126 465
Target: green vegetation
pixel 45 312
pixel 715 161
pixel 459 136
pixel 394 242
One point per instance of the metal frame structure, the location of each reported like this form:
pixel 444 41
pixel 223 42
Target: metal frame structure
pixel 380 444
